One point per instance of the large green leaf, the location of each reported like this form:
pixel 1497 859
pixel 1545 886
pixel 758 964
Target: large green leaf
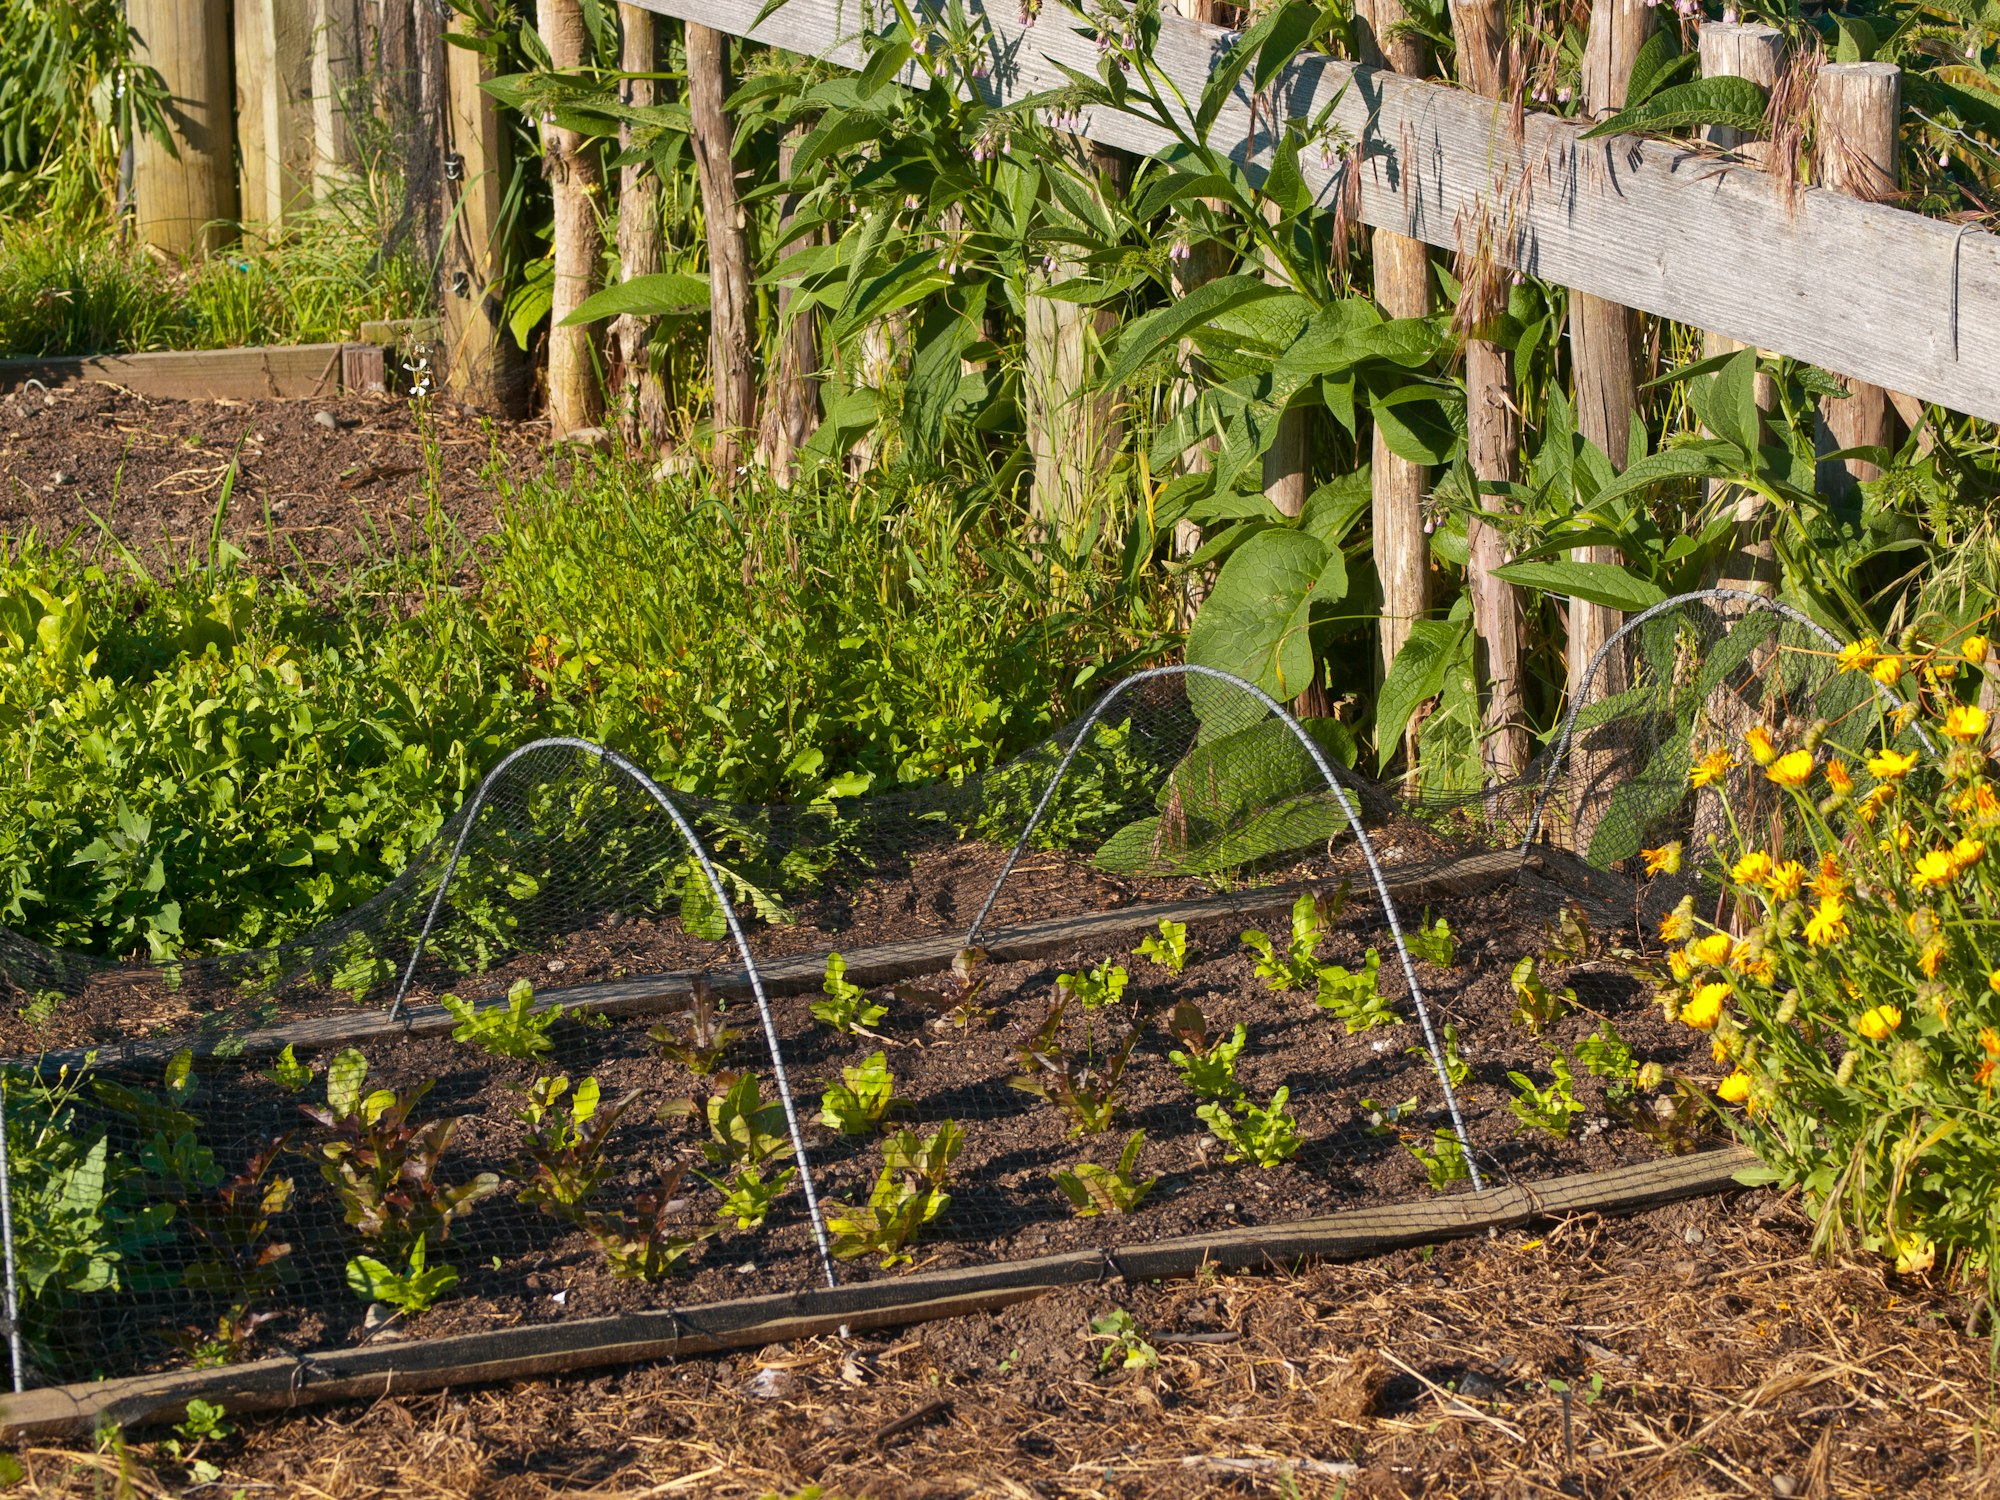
pixel 1144 339
pixel 646 297
pixel 1729 101
pixel 1598 583
pixel 1417 673
pixel 1255 621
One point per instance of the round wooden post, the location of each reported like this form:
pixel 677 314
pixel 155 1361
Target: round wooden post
pixel 1858 106
pixel 1403 288
pixel 185 199
pixel 732 356
pixel 577 186
pixel 642 412
pixel 1493 429
pixel 791 410
pixel 482 366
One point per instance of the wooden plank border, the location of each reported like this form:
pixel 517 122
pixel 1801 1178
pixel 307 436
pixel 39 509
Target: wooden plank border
pixel 373 1372
pixel 1861 289
pixel 287 372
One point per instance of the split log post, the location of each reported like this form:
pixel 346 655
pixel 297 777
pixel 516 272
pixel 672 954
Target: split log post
pixel 642 408
pixel 335 62
pixel 1858 108
pixel 1403 288
pixel 273 124
pixel 1493 421
pixel 1756 52
pixel 481 363
pixel 1604 336
pixel 791 410
pixel 576 184
pixel 1288 461
pixel 732 357
pixel 186 198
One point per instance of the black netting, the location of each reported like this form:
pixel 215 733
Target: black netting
pixel 543 1087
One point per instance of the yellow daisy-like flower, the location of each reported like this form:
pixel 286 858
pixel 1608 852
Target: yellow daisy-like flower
pixel 1758 968
pixel 1711 767
pixel 1829 882
pixel 1786 880
pixel 1878 797
pixel 1931 958
pixel 1761 749
pixel 1794 769
pixel 1966 853
pixel 1712 950
pixel 1828 923
pixel 1678 963
pixel 1678 924
pixel 1933 869
pixel 1880 1022
pixel 1965 722
pixel 1753 868
pixel 1888 671
pixel 1839 777
pixel 1664 860
pixel 1898 840
pixel 1735 1088
pixel 1974 649
pixel 1704 1007
pixel 1993 981
pixel 1891 765
pixel 1858 656
pixel 1985 804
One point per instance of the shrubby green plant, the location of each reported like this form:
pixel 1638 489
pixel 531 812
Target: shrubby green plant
pixel 414 1289
pixel 1094 1190
pixel 1266 1134
pixel 516 1030
pixel 846 1007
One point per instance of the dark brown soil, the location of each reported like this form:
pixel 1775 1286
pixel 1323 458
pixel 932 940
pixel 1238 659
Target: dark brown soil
pixel 307 496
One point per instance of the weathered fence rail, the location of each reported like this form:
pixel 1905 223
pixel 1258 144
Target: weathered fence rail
pixel 1862 289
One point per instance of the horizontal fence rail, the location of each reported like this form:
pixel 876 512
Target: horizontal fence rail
pixel 1858 288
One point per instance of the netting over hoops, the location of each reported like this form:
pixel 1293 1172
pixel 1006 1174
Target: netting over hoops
pixel 1175 970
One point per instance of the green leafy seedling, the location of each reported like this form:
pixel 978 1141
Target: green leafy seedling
pixel 744 1131
pixel 288 1073
pixel 564 1141
pixel 1433 943
pixel 1268 1136
pixel 857 1105
pixel 1208 1065
pixel 640 1242
pixel 515 1030
pixel 1605 1054
pixel 1552 1107
pixel 908 1194
pixel 1168 947
pixel 412 1290
pixel 1103 984
pixel 1125 1345
pixel 1094 1190
pixel 846 1007
pixel 1536 1006
pixel 1443 1162
pixel 747 1196
pixel 954 999
pixel 1456 1068
pixel 1355 995
pixel 1297 969
pixel 707 1040
pixel 1386 1119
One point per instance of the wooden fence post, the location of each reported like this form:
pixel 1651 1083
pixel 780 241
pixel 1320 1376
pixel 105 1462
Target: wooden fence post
pixel 186 198
pixel 1403 287
pixel 732 357
pixel 577 186
pixel 1858 107
pixel 642 413
pixel 1288 461
pixel 481 363
pixel 336 47
pixel 273 126
pixel 1493 424
pixel 1604 337
pixel 1200 264
pixel 791 406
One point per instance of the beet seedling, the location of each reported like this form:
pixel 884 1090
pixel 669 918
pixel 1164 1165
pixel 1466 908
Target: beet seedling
pixel 565 1143
pixel 1268 1136
pixel 1536 1006
pixel 639 1243
pixel 858 1105
pixel 1094 1190
pixel 1168 948
pixel 1355 995
pixel 514 1030
pixel 1085 1089
pixel 1103 984
pixel 1125 1345
pixel 954 1000
pixel 846 1007
pixel 707 1038
pixel 1296 969
pixel 1551 1108
pixel 908 1194
pixel 1208 1065
pixel 412 1290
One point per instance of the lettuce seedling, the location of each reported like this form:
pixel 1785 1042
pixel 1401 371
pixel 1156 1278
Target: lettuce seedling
pixel 1456 1068
pixel 1296 969
pixel 846 1007
pixel 1168 948
pixel 412 1290
pixel 564 1144
pixel 1086 1088
pixel 1536 1006
pixel 1103 984
pixel 747 1197
pixel 707 1038
pixel 233 1227
pixel 1444 1162
pixel 1094 1190
pixel 744 1131
pixel 1550 1108
pixel 515 1030
pixel 857 1106
pixel 639 1243
pixel 1208 1065
pixel 1433 944
pixel 288 1073
pixel 908 1194
pixel 954 999
pixel 1267 1136
pixel 1605 1054
pixel 1355 995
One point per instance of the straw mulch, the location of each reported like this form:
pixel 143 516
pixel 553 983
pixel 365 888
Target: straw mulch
pixel 1698 1350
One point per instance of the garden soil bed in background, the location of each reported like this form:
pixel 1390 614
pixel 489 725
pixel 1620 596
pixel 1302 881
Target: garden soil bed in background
pixel 1704 1353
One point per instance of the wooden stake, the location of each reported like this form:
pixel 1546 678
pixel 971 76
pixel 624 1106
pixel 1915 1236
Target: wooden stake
pixel 576 183
pixel 186 197
pixel 482 366
pixel 1857 107
pixel 335 52
pixel 1203 263
pixel 792 410
pixel 642 413
pixel 1493 429
pixel 1756 52
pixel 273 120
pixel 732 357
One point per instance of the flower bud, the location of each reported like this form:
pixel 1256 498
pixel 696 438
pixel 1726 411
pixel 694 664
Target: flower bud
pixel 1650 1076
pixel 1844 1074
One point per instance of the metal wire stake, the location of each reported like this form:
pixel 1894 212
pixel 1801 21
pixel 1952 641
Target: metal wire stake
pixel 7 1239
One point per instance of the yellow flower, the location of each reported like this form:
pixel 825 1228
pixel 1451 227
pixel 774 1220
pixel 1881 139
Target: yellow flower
pixel 1838 777
pixel 1827 925
pixel 1966 853
pixel 1666 859
pixel 1794 769
pixel 1989 1040
pixel 1712 950
pixel 1858 656
pixel 1898 841
pixel 1753 868
pixel 1878 1023
pixel 1993 981
pixel 1965 722
pixel 1932 869
pixel 1678 965
pixel 1931 957
pixel 1735 1088
pixel 1891 765
pixel 1704 1009
pixel 1758 968
pixel 1973 649
pixel 1761 749
pixel 1878 797
pixel 1711 767
pixel 1829 882
pixel 1786 879
pixel 1888 671
pixel 1678 924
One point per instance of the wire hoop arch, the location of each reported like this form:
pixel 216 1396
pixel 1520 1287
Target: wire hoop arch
pixel 1325 768
pixel 612 758
pixel 1742 596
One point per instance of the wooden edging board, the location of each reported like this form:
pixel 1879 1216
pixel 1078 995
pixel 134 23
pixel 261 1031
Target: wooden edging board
pixel 883 963
pixel 277 372
pixel 375 1371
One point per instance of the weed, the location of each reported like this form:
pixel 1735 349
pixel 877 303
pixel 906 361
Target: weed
pixel 1208 1066
pixel 1086 1089
pixel 1103 984
pixel 1095 1190
pixel 1387 1119
pixel 1550 1108
pixel 638 1242
pixel 1125 1345
pixel 908 1194
pixel 412 1290
pixel 564 1143
pixel 846 1007
pixel 1355 996
pixel 1297 969
pixel 1168 947
pixel 857 1105
pixel 1268 1136
pixel 707 1038
pixel 516 1030
pixel 1536 1006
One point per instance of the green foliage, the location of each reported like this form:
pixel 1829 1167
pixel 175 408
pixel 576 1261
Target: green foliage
pixel 858 1105
pixel 1104 984
pixel 1355 996
pixel 1208 1065
pixel 288 1073
pixel 1297 968
pixel 1266 1135
pixel 846 1007
pixel 1456 1068
pixel 1168 947
pixel 640 1242
pixel 1094 1190
pixel 1443 1162
pixel 908 1194
pixel 747 1196
pixel 412 1290
pixel 1433 943
pixel 744 1131
pixel 515 1030
pixel 1551 1107
pixel 1605 1054
pixel 1085 1088
pixel 563 1141
pixel 1536 1006
pixel 1125 1346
